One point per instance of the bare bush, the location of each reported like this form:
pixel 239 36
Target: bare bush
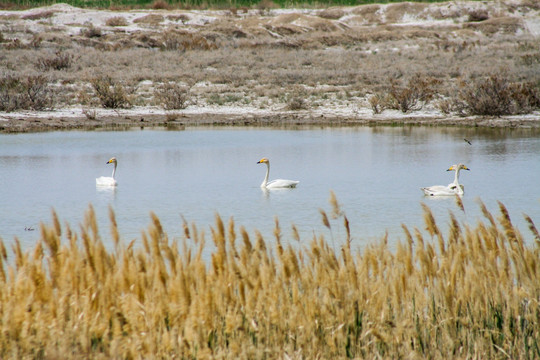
pixel 377 103
pixel 172 96
pixel 116 21
pixel 60 61
pixel 150 19
pixel 478 15
pixel 38 15
pixel 297 103
pixel 175 40
pixel 526 97
pixel 496 95
pixel 29 93
pixel 412 96
pixel 160 5
pixel 91 31
pixel 90 114
pixel 111 94
pixel 332 13
pixel 445 106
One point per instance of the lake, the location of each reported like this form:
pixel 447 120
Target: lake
pixel 375 172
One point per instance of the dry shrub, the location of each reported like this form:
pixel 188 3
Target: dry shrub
pixel 331 14
pixel 116 21
pixel 526 97
pixel 478 15
pixel 110 94
pixel 90 114
pixel 39 15
pixel 90 31
pixel 266 5
pixel 15 44
pixel 176 40
pixel 297 103
pixel 496 95
pixel 505 25
pixel 150 19
pixel 412 96
pixel 160 5
pixel 183 18
pixel 378 102
pixel 172 96
pixel 530 59
pixel 526 5
pixel 28 93
pixel 445 106
pixel 60 61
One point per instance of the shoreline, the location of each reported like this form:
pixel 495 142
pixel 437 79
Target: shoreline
pixel 48 121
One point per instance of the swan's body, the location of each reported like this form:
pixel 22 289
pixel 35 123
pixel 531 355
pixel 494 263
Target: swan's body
pixel 105 180
pixel 454 188
pixel 275 184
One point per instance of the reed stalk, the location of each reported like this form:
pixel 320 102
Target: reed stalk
pixel 471 294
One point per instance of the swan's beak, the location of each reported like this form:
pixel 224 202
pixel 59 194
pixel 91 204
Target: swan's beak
pixel 466 168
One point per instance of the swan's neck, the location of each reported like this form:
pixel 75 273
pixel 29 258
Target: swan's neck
pixel 114 170
pixel 459 190
pixel 265 181
pixel 456 178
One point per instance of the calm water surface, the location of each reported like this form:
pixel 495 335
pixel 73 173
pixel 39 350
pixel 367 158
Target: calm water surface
pixel 376 174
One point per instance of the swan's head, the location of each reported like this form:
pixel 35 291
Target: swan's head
pixel 263 161
pixel 458 167
pixel 111 161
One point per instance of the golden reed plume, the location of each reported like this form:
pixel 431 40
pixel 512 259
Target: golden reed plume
pixel 471 294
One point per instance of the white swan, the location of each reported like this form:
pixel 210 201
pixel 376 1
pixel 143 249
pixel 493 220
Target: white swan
pixel 274 184
pixel 105 180
pixel 454 188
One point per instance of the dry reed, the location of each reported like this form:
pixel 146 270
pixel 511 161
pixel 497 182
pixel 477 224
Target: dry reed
pixel 473 294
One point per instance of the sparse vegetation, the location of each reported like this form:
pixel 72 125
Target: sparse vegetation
pixel 333 57
pixel 376 102
pixel 116 21
pixel 110 93
pixel 297 103
pixel 496 95
pixel 28 93
pixel 172 96
pixel 471 293
pixel 410 97
pixel 60 61
pixel 90 31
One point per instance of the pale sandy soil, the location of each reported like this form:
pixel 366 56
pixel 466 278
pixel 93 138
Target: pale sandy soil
pixel 374 30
